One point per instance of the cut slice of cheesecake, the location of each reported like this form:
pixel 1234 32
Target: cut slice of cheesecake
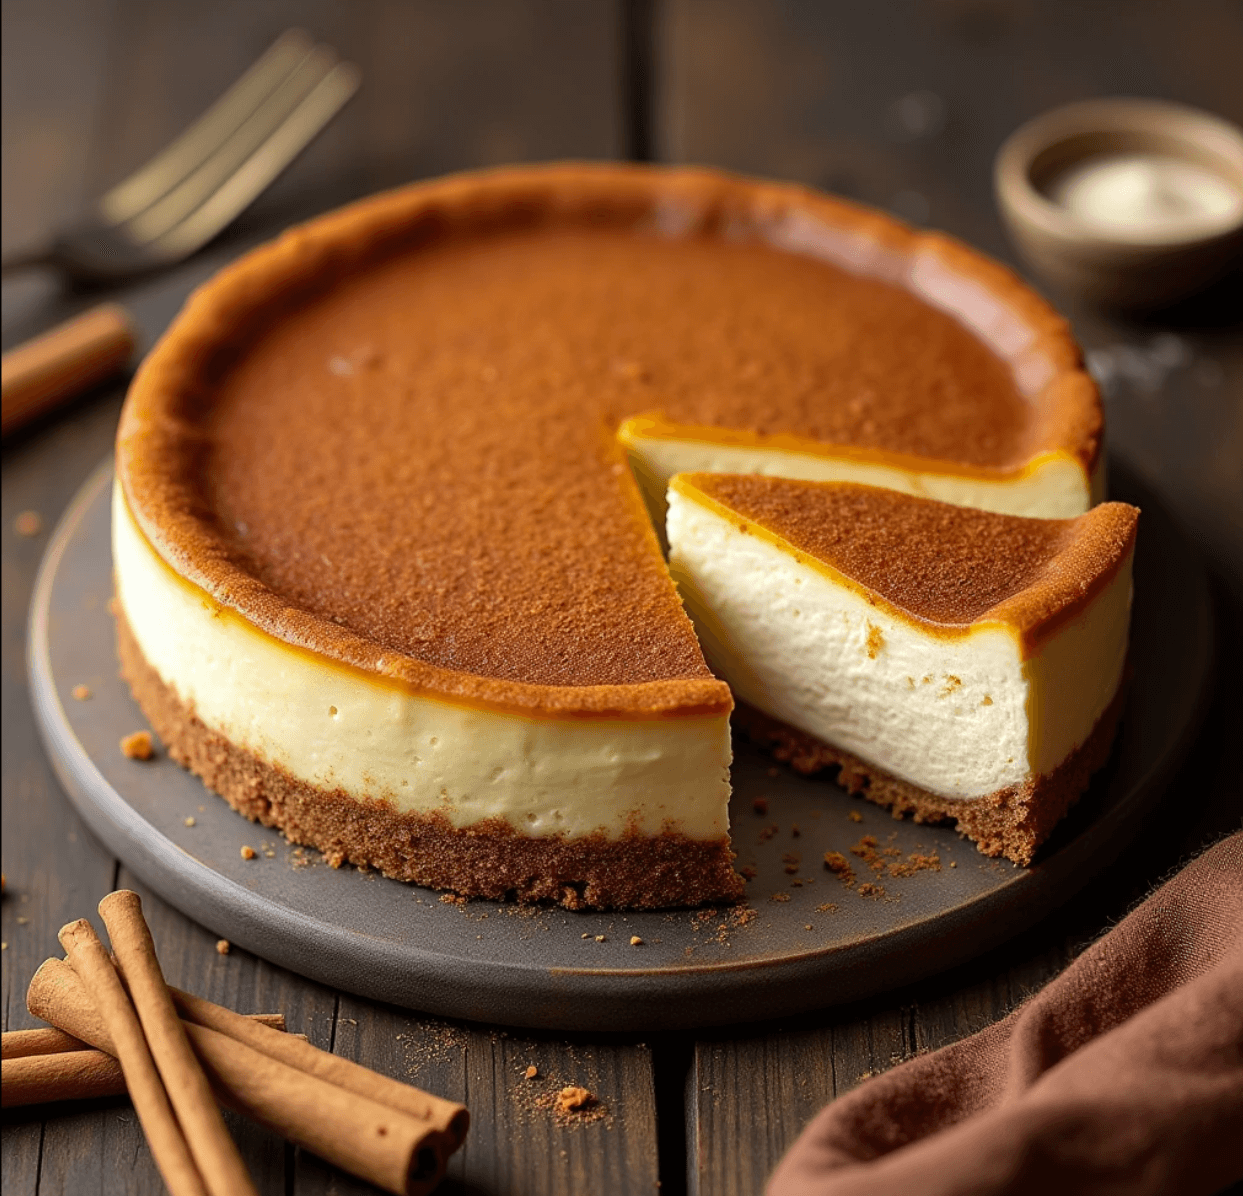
pixel 955 663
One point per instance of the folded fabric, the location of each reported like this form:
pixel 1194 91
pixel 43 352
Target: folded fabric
pixel 1123 1075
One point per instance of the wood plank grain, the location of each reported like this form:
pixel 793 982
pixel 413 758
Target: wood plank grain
pixel 54 868
pixel 516 1143
pixel 19 1161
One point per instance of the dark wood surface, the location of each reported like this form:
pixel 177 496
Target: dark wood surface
pixel 900 104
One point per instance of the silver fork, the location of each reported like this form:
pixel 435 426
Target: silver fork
pixel 194 187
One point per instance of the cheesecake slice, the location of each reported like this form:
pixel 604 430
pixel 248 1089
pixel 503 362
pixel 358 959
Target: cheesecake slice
pixel 955 664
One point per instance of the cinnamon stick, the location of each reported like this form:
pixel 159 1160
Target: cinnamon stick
pixel 64 362
pixel 213 1151
pixel 449 1117
pixel 47 1040
pixel 373 1141
pixel 55 1066
pixel 382 1145
pixel 67 1075
pixel 101 992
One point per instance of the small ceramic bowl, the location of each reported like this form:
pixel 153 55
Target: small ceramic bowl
pixel 1129 266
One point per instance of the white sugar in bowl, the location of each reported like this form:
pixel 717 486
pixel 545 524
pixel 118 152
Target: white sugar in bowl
pixel 1135 203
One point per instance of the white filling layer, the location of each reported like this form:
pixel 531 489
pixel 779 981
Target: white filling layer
pixel 960 717
pixel 334 728
pixel 1053 488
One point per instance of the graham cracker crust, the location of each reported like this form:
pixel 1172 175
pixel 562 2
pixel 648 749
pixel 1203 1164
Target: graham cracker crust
pixel 1011 822
pixel 489 859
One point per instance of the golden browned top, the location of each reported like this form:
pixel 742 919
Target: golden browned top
pixel 939 564
pixel 389 436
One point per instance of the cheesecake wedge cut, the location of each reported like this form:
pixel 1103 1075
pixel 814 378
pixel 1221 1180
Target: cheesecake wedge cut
pixel 955 664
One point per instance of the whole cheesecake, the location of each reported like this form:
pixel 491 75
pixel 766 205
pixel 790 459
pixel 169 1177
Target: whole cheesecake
pixel 386 566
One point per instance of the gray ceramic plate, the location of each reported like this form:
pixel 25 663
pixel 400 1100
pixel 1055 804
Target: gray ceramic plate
pixel 805 940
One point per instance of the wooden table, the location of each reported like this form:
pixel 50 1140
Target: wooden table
pixel 899 104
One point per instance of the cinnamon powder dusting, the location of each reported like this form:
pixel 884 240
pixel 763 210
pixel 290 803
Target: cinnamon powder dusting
pixel 458 395
pixel 944 564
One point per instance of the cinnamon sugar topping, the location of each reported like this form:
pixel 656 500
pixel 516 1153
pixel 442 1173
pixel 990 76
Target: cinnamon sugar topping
pixel 445 369
pixel 945 565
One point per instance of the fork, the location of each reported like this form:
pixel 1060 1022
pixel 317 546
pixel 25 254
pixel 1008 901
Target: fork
pixel 193 188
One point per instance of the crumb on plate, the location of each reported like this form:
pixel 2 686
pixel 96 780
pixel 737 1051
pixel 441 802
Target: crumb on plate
pixel 138 746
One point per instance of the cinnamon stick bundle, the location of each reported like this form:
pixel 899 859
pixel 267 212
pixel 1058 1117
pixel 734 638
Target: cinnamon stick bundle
pixel 381 1144
pixel 111 1008
pixel 211 1147
pixel 78 1074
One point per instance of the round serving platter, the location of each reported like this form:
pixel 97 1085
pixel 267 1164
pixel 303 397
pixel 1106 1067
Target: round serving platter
pixel 803 940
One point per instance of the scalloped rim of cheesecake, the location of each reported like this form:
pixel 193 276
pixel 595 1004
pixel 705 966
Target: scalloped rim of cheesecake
pixel 1032 615
pixel 988 299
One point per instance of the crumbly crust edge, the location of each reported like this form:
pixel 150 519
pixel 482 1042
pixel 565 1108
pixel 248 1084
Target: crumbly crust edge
pixel 488 860
pixel 1012 822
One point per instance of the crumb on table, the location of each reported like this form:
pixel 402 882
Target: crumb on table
pixel 855 816
pixel 760 805
pixel 571 1099
pixel 248 852
pixel 635 941
pixel 532 1072
pixel 81 693
pixel 222 946
pixel 138 746
pixel 188 821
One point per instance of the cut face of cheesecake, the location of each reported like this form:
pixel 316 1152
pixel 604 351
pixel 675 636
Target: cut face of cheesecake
pixel 957 664
pixel 385 570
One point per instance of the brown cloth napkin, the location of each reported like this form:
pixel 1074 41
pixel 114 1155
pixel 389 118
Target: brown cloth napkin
pixel 1124 1075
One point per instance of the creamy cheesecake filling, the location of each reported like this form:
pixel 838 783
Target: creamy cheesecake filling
pixel 1053 485
pixel 960 716
pixel 338 729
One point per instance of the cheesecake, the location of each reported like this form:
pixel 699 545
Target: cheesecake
pixel 955 664
pixel 390 500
